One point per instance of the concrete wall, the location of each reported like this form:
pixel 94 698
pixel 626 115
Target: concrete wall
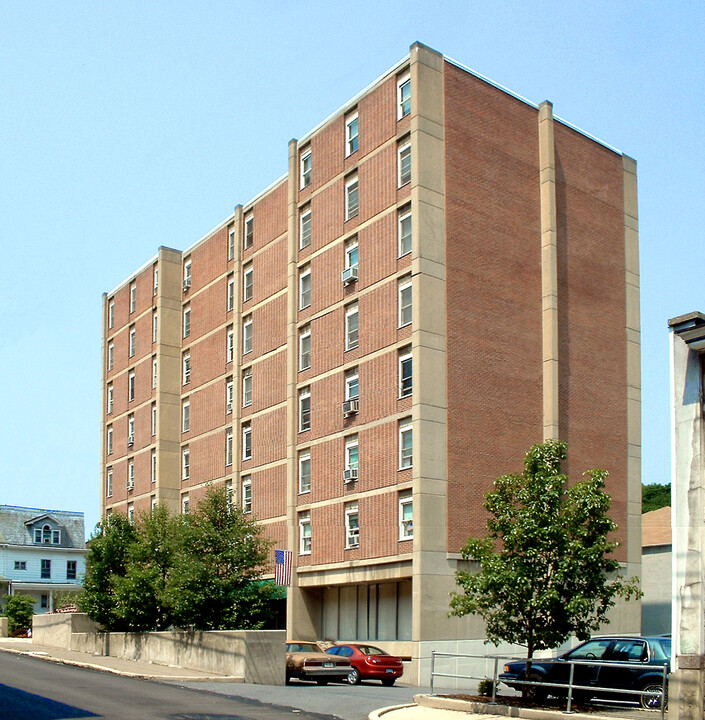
pixel 3 627
pixel 656 604
pixel 56 630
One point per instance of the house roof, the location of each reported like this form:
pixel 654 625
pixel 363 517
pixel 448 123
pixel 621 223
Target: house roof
pixel 16 525
pixel 656 527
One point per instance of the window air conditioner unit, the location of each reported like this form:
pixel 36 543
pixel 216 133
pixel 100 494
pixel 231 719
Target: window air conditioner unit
pixel 350 407
pixel 130 440
pixel 350 475
pixel 130 484
pixel 349 275
pixel 229 408
pixel 187 283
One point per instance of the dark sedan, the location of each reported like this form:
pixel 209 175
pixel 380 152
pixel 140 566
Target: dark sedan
pixel 369 663
pixel 641 662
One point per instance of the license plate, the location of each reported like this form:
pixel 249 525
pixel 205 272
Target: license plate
pixel 389 670
pixel 328 664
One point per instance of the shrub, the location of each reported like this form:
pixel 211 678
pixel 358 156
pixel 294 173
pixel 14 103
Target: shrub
pixel 19 610
pixel 484 687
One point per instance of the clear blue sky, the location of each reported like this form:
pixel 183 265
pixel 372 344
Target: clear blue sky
pixel 129 125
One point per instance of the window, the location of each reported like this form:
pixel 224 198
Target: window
pixel 187 321
pixel 305 347
pixel 230 345
pixel 154 372
pixel 110 398
pixel 305 472
pixel 153 466
pixel 229 446
pixel 44 601
pixel 230 302
pixel 229 396
pixel 247 335
pixel 131 514
pixel 247 387
pixel 133 297
pixel 154 327
pixel 305 168
pixel 56 536
pixel 405 309
pixel 20 564
pixel 154 418
pixel 403 96
pixel 229 494
pixel 109 483
pixel 187 274
pixel 406 444
pixel 352 384
pixel 111 356
pixel 153 504
pixel 109 441
pixel 351 327
pixel 405 376
pixel 130 429
pixel 156 279
pixel 111 314
pixel 305 533
pixel 249 236
pixel 352 526
pixel 246 441
pixel 304 287
pixel 71 569
pixel 46 569
pixel 351 253
pixel 231 243
pixel 133 335
pixel 186 363
pixel 185 463
pixel 304 409
pixel 131 386
pixel 404 162
pixel 130 474
pixel 184 504
pixel 186 416
pixel 247 280
pixel 305 228
pixel 352 453
pixel 406 516
pixel 351 134
pixel 404 226
pixel 352 204
pixel 246 494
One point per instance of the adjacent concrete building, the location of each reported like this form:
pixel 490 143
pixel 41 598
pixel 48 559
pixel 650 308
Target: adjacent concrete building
pixel 656 563
pixel 445 275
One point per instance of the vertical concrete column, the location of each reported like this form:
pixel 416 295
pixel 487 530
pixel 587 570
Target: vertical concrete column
pixel 103 405
pixel 236 317
pixel 549 271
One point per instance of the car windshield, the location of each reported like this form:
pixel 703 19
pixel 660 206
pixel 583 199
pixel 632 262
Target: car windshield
pixel 371 650
pixel 591 650
pixel 302 647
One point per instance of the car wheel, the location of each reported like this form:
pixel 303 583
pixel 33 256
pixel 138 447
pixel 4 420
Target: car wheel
pixel 388 682
pixel 321 681
pixel 652 694
pixel 532 691
pixel 354 677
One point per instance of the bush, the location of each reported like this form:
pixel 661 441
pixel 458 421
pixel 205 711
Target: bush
pixel 19 610
pixel 484 687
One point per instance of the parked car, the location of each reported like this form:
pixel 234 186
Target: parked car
pixel 307 661
pixel 648 655
pixel 369 663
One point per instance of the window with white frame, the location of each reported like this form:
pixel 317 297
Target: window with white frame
pixel 230 345
pixel 404 230
pixel 249 236
pixel 186 363
pixel 352 453
pixel 352 384
pixel 229 494
pixel 156 280
pixel 20 564
pixel 404 163
pixel 154 372
pixel 153 504
pixel 352 525
pixel 247 335
pixel 405 308
pixel 185 463
pixel 154 326
pixel 351 133
pixel 305 471
pixel 352 336
pixel 111 356
pixel 405 373
pixel 305 533
pixel 229 446
pixel 246 494
pixel 111 314
pixel 130 474
pixel 187 273
pixel 229 396
pixel 306 168
pixel 185 504
pixel 230 301
pixel 111 395
pixel 231 244
pixel 304 287
pixel 305 347
pixel 133 297
pixel 131 386
pixel 130 429
pixel 71 566
pixel 352 198
pixel 45 571
pixel 246 441
pixel 351 253
pixel 247 387
pixel 133 338
pixel 154 418
pixel 406 444
pixel 247 283
pixel 187 321
pixel 305 228
pixel 131 514
pixel 304 409
pixel 403 96
pixel 109 483
pixel 153 466
pixel 185 416
pixel 406 516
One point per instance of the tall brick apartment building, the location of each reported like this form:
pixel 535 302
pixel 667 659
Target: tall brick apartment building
pixel 445 276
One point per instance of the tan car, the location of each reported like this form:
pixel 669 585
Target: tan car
pixel 307 661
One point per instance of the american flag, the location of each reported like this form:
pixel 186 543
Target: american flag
pixel 282 567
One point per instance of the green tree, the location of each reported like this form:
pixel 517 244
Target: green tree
pixel 655 496
pixel 19 610
pixel 545 571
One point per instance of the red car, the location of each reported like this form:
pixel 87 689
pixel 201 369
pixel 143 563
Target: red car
pixel 369 663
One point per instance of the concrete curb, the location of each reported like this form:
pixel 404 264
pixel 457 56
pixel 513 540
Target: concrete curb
pixel 376 714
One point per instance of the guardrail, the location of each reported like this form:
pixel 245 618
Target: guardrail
pixel 570 685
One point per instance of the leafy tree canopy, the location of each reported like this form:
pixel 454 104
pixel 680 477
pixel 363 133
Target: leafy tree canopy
pixel 19 610
pixel 544 568
pixel 655 496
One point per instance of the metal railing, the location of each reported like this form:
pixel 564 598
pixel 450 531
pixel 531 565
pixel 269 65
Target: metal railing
pixel 570 685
